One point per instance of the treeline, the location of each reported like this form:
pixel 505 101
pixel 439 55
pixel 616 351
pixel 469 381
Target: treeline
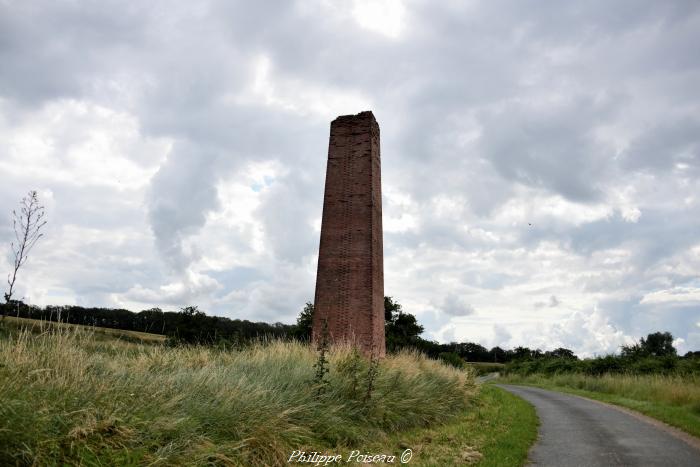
pixel 471 352
pixel 193 326
pixel 188 325
pixel 654 354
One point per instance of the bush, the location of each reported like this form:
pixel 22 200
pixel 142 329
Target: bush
pixel 609 364
pixel 451 358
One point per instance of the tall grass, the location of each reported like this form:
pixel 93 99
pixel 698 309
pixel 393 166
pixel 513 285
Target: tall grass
pixel 669 389
pixel 66 397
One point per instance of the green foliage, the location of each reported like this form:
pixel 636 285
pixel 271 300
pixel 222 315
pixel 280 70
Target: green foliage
pixel 351 368
pixel 658 344
pixel 608 364
pixel 651 355
pixel 452 358
pixel 401 329
pixel 302 331
pixel 562 353
pixel 67 398
pixel 482 368
pixel 391 309
pixel 372 373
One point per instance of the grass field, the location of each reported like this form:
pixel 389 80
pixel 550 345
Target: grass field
pixel 37 326
pixel 72 396
pixel 671 399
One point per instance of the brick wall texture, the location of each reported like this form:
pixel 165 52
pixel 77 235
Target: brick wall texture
pixel 350 279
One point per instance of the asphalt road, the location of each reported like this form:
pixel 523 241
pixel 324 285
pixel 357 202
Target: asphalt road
pixel 579 432
pixel 488 377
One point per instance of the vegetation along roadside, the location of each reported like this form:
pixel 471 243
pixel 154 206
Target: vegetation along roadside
pixel 647 376
pixel 71 396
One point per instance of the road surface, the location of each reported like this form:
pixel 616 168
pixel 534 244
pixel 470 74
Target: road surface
pixel 580 432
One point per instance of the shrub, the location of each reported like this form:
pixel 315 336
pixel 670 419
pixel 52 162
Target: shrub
pixel 452 358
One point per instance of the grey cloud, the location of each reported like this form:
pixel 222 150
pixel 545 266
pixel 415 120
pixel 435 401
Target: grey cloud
pixel 56 49
pixel 553 302
pixel 239 277
pixel 550 148
pixel 664 145
pixel 455 306
pixel 645 237
pixel 287 211
pixel 182 193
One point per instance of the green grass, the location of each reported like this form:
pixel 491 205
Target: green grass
pixel 73 397
pixel 496 430
pixel 671 399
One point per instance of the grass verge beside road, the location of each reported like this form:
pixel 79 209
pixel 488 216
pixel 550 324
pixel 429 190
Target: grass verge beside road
pixel 497 430
pixel 672 399
pixel 76 396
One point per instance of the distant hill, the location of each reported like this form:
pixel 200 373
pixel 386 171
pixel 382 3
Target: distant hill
pixel 39 325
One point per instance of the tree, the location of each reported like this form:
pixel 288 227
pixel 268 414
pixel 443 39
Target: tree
pixel 390 309
pixel 302 330
pixel 523 353
pixel 401 329
pixel 27 225
pixel 561 352
pixel 657 344
pixel 498 355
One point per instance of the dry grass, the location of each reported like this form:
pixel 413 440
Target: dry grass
pixel 67 397
pixel 41 326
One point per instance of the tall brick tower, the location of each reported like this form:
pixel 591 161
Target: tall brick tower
pixel 350 278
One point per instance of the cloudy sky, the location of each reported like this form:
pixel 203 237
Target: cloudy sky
pixel 541 160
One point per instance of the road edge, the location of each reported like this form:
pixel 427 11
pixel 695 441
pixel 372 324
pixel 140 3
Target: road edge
pixel 689 439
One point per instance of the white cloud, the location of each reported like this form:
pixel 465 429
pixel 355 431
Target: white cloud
pixel 676 295
pixel 80 143
pixel 589 332
pixel 382 16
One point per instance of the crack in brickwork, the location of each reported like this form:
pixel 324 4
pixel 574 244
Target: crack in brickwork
pixel 350 277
